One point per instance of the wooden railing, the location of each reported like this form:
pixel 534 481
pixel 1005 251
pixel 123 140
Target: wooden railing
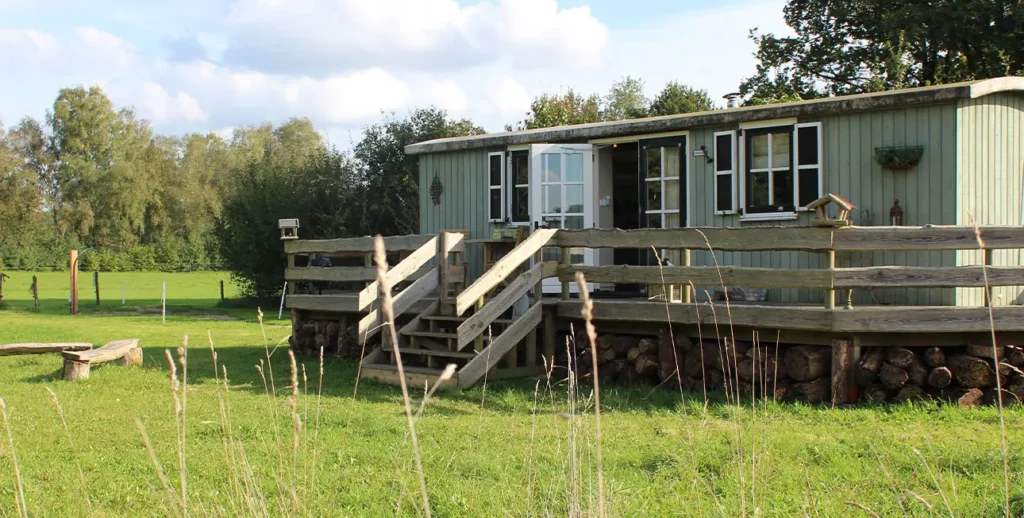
pixel 418 250
pixel 808 239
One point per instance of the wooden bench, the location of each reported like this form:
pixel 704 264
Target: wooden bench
pixel 42 348
pixel 77 364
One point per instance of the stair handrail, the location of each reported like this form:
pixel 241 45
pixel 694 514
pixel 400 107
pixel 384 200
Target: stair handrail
pixel 370 324
pixel 503 268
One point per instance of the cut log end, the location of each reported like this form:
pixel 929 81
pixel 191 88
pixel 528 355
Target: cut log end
pixel 75 370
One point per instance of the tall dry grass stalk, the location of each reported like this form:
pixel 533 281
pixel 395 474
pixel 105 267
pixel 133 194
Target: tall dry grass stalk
pixel 172 497
pixel 71 445
pixel 316 426
pixel 176 397
pixel 588 318
pixel 19 497
pixel 183 361
pixel 389 315
pixel 293 403
pixel 999 383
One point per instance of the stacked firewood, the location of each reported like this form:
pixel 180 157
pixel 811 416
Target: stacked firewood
pixel 965 375
pixel 336 338
pixel 782 372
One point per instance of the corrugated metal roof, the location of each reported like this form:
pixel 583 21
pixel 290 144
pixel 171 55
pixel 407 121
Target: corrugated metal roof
pixel 825 106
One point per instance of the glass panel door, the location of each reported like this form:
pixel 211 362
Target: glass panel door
pixel 664 178
pixel 562 196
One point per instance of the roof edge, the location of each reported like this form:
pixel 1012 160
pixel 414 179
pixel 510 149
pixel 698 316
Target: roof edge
pixel 682 122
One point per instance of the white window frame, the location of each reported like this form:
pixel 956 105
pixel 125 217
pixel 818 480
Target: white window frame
pixel 500 188
pixel 730 172
pixel 662 179
pixel 799 166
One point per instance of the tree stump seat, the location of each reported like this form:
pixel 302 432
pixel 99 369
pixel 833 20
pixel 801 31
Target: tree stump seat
pixel 78 363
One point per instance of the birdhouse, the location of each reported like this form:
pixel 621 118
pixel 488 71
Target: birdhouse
pixel 843 208
pixel 289 228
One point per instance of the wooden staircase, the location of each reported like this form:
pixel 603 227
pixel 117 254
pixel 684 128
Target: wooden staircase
pixel 470 328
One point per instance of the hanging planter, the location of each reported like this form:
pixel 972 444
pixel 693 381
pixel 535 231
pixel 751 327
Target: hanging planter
pixel 899 158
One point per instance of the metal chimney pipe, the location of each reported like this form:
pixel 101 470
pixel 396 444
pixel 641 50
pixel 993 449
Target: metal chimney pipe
pixel 732 100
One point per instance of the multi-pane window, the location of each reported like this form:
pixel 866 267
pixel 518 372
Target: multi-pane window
pixel 725 172
pixel 783 168
pixel 662 185
pixel 519 180
pixel 770 170
pixel 496 187
pixel 562 191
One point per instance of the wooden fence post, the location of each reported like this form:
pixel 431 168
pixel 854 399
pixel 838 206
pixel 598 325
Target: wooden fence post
pixel 986 291
pixel 222 289
pixel 442 268
pixel 830 294
pixel 566 261
pixel 96 285
pixel 124 292
pixel 163 303
pixel 687 295
pixel 74 281
pixel 35 292
pixel 291 264
pixel 2 276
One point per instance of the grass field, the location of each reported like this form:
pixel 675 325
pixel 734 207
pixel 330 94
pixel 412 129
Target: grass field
pixel 512 449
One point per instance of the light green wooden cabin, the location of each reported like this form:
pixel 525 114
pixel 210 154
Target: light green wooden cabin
pixel 753 166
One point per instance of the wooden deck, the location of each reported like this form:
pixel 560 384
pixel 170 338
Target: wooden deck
pixel 453 318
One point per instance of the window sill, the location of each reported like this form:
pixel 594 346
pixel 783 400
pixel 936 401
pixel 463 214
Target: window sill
pixel 768 216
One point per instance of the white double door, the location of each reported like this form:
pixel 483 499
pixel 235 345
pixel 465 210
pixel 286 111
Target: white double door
pixel 562 195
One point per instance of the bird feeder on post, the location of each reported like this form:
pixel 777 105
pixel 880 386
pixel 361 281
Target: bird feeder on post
pixel 289 228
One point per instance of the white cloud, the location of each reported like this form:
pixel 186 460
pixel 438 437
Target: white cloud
pixel 160 106
pixel 89 49
pixel 319 36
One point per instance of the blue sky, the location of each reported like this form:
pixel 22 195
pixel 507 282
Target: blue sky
pixel 191 65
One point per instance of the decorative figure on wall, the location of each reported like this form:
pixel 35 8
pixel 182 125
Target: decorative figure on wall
pixel 435 190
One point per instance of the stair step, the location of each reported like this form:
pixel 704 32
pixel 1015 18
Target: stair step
pixel 432 352
pixel 430 334
pixel 443 318
pixel 409 369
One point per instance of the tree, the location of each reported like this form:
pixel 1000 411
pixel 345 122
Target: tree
pixel 626 100
pixel 550 110
pixel 388 177
pixel 19 195
pixel 317 190
pixel 679 98
pixel 847 47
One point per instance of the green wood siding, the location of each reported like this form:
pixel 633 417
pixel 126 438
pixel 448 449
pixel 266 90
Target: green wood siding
pixel 990 143
pixel 464 177
pixel 926 194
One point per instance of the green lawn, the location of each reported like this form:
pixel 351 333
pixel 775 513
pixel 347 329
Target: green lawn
pixel 507 456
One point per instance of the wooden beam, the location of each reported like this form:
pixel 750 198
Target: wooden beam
pixel 337 303
pixel 927 276
pixel 734 239
pixel 927 319
pixel 866 239
pixel 109 352
pixel 505 266
pixel 42 348
pixel 477 324
pixel 778 317
pixel 701 276
pixel 344 274
pixel 496 350
pixel 402 302
pixel 354 245
pixel 401 271
pixel 841 350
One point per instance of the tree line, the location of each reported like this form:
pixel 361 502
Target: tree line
pixel 94 176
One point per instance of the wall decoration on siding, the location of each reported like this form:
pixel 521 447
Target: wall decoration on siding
pixel 435 190
pixel 899 158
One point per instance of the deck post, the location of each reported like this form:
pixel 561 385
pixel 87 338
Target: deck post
pixel 565 262
pixel 986 290
pixel 687 296
pixel 549 337
pixel 841 352
pixel 442 263
pixel 478 342
pixel 291 264
pixel 830 294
